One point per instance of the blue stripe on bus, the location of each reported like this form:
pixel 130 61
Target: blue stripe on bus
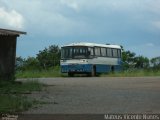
pixel 100 68
pixel 76 68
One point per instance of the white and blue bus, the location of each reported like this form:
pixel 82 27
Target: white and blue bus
pixel 90 58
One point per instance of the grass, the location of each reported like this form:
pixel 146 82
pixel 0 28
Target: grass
pixel 38 74
pixel 56 73
pixel 12 103
pixel 13 96
pixel 134 73
pixel 19 88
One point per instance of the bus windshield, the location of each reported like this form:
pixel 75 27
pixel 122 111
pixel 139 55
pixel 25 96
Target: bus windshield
pixel 75 52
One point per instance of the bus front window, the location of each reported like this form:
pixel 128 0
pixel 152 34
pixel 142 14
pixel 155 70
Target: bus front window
pixel 74 52
pixel 66 53
pixel 79 52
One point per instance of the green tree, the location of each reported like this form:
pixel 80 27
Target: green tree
pixel 141 62
pixel 31 63
pixel 156 62
pixel 49 57
pixel 128 59
pixel 19 63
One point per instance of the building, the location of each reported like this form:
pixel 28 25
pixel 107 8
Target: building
pixel 8 40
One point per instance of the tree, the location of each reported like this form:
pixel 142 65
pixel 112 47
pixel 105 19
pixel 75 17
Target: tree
pixel 49 57
pixel 156 62
pixel 19 63
pixel 141 62
pixel 128 59
pixel 31 63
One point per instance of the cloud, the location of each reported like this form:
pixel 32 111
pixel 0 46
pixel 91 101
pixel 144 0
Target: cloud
pixel 70 3
pixel 156 24
pixel 149 45
pixel 11 18
pixel 126 22
pixel 154 6
pixel 148 49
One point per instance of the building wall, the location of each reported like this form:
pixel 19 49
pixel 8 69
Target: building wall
pixel 7 57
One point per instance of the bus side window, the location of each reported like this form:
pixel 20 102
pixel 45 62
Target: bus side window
pixel 90 49
pixel 109 52
pixel 103 52
pixel 97 51
pixel 70 52
pixel 114 51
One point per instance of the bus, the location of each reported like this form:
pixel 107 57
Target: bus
pixel 90 58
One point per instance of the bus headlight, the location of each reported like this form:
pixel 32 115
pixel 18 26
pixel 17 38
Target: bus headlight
pixel 84 60
pixel 62 60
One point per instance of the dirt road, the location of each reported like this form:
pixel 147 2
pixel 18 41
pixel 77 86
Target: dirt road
pixel 99 95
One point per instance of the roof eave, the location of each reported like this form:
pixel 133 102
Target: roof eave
pixel 11 32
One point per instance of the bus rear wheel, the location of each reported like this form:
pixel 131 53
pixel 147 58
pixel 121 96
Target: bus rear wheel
pixel 70 74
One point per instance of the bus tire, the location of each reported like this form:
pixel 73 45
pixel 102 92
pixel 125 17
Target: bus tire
pixel 112 69
pixel 93 73
pixel 70 74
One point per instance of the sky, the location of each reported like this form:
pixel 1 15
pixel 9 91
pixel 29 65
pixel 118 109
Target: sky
pixel 134 24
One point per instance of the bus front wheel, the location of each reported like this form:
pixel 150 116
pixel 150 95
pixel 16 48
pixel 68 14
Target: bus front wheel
pixel 93 73
pixel 112 69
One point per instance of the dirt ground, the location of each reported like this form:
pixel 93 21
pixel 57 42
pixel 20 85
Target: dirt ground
pixel 98 95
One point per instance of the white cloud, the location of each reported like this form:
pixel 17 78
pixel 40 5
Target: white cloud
pixel 149 49
pixel 71 3
pixel 156 24
pixel 11 18
pixel 149 45
pixel 110 20
pixel 154 6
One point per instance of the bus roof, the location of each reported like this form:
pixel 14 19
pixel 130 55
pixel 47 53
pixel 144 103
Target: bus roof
pixel 92 45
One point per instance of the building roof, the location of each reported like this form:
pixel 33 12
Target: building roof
pixel 93 45
pixel 6 32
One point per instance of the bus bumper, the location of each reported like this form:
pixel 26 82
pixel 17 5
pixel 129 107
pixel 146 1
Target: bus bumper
pixel 76 68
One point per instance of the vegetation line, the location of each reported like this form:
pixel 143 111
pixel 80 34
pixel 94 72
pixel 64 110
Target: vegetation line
pixel 13 98
pixel 47 64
